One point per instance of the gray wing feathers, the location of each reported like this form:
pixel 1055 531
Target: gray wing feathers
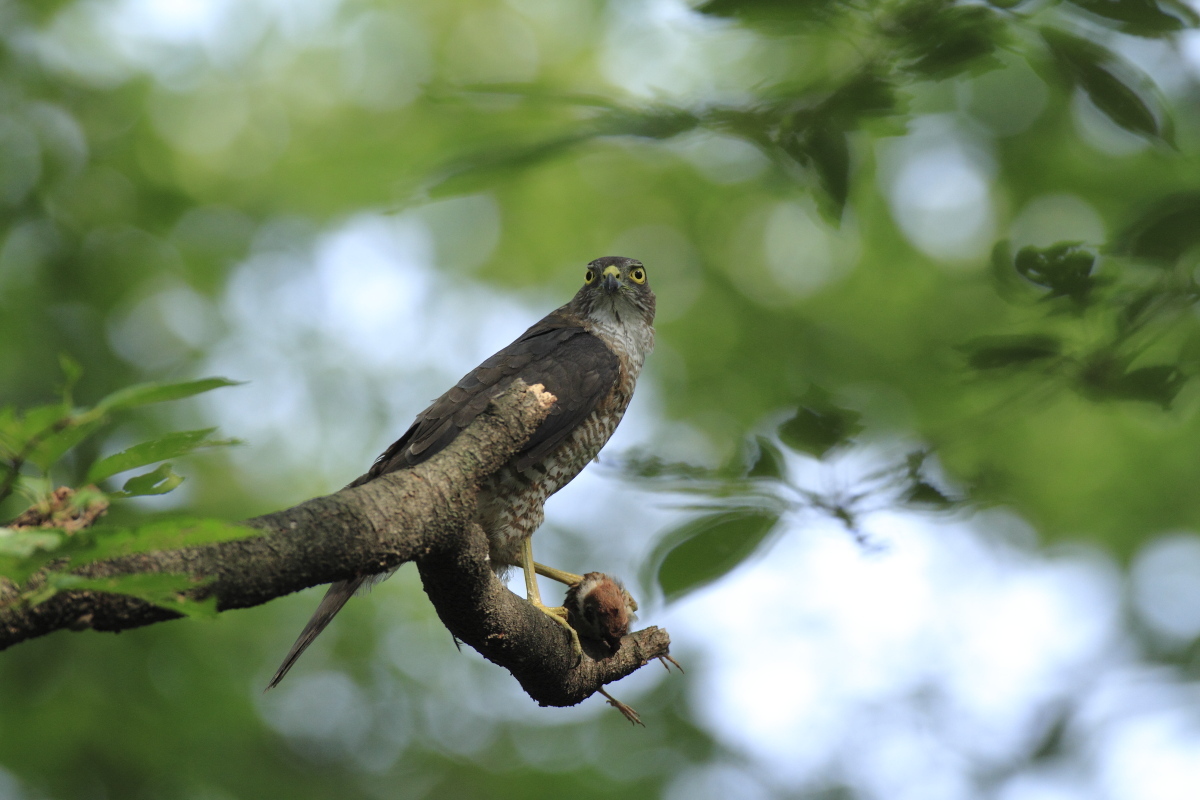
pixel 574 365
pixel 581 375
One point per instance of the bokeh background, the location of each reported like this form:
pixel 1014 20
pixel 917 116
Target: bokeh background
pixel 911 477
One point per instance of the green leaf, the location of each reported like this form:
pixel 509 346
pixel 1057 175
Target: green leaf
pixel 1165 232
pixel 1072 51
pixel 1065 269
pixel 768 461
pixel 51 449
pixel 826 151
pixel 1137 309
pixel 1007 282
pixel 25 542
pixel 144 393
pixel 72 372
pixel 868 93
pixel 771 13
pixel 10 423
pixel 478 170
pixel 24 552
pixel 1189 15
pixel 829 150
pixel 166 590
pixel 704 549
pixel 16 430
pixel 652 467
pixel 56 445
pixel 661 122
pixel 924 494
pixel 919 491
pixel 943 39
pixel 1089 66
pixel 1119 102
pixel 171 445
pixel 103 542
pixel 819 426
pixel 1158 384
pixel 60 429
pixel 1137 17
pixel 994 352
pixel 160 481
pixel 482 168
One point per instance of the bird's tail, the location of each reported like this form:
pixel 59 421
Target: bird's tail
pixel 331 604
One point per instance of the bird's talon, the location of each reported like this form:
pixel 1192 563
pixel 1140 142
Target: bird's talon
pixel 559 615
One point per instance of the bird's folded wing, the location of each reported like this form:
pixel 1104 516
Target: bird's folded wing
pixel 571 363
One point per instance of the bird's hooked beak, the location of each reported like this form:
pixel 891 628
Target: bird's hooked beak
pixel 611 279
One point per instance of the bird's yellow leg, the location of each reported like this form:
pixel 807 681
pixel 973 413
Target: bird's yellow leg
pixel 558 613
pixel 569 578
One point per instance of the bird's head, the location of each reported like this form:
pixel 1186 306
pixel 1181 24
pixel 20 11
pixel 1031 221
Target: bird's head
pixel 618 284
pixel 601 609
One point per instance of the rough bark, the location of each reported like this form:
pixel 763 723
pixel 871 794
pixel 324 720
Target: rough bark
pixel 423 515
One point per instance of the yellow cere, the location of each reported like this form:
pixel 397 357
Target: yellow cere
pixel 613 269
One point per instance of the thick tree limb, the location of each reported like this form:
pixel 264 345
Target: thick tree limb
pixel 422 515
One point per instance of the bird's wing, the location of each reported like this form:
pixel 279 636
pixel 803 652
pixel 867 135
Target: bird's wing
pixel 571 363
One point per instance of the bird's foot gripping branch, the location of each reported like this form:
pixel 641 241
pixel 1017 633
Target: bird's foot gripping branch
pixel 423 514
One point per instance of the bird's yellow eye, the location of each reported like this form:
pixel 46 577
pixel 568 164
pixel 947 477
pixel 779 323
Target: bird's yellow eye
pixel 589 276
pixel 637 275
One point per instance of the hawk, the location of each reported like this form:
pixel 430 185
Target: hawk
pixel 588 354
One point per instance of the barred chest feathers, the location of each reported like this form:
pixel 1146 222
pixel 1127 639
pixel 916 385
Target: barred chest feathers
pixel 511 503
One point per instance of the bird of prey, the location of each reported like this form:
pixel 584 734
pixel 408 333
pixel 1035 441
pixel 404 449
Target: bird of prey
pixel 588 354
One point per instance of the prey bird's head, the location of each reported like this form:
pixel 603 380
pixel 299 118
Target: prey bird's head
pixel 616 285
pixel 600 608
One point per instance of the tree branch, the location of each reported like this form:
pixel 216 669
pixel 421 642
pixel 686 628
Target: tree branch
pixel 422 514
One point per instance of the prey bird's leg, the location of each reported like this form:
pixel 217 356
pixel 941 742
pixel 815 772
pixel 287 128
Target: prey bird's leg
pixel 569 578
pixel 558 613
pixel 664 659
pixel 628 711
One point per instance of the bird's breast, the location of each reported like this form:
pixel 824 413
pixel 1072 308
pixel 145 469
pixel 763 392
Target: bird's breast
pixel 511 501
pixel 631 338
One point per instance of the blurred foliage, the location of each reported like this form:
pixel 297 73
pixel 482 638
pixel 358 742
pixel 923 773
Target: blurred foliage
pixel 744 500
pixel 57 532
pixel 798 178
